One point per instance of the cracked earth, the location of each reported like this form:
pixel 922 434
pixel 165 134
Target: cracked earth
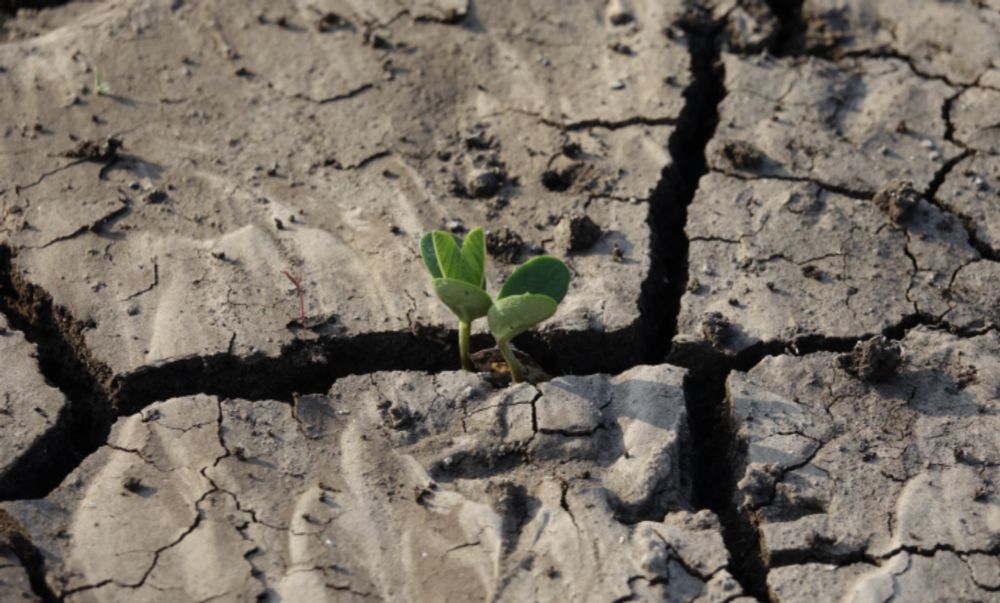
pixel 775 377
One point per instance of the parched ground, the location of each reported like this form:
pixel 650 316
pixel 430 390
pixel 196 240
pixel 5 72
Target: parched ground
pixel 776 372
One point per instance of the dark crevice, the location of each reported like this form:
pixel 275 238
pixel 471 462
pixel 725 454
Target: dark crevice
pixel 677 186
pixel 942 174
pixel 710 460
pixel 613 125
pixel 14 538
pixel 820 555
pixel 583 352
pixel 984 249
pixel 886 53
pixel 842 559
pixel 715 458
pixel 717 455
pixel 971 231
pixel 949 125
pixel 826 186
pixel 710 463
pixel 66 365
pixel 791 27
pixel 799 35
pixel 11 6
pixel 311 366
pixel 97 397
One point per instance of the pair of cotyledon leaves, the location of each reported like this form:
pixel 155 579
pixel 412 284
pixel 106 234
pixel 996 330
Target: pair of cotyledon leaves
pixel 458 267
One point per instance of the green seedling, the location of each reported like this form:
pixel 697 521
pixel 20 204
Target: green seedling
pixel 459 271
pixel 101 88
pixel 530 295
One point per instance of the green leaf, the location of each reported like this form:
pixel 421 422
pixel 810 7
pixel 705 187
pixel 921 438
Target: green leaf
pixel 452 261
pixel 474 254
pixel 466 300
pixel 544 275
pixel 511 316
pixel 447 256
pixel 430 258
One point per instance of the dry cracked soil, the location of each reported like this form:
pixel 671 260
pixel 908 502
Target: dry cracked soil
pixel 775 377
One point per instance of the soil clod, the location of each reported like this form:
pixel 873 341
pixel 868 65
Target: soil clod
pixel 483 184
pixel 132 484
pixel 504 244
pixel 810 271
pixel 577 232
pixel 617 255
pixel 874 360
pixel 156 196
pixel 332 22
pixel 751 27
pixel 96 150
pixel 742 154
pixel 898 200
pixel 559 179
pixel 716 329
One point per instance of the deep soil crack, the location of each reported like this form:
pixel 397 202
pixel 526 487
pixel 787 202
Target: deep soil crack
pixel 14 538
pixel 710 464
pixel 676 189
pixel 717 452
pixel 65 364
pixel 791 27
pixel 97 396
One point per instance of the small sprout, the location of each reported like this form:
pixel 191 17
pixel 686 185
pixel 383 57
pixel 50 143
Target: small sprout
pixel 101 88
pixel 458 268
pixel 530 295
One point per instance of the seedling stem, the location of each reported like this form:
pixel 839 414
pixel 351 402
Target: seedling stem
pixel 512 361
pixel 465 345
pixel 101 88
pixel 458 275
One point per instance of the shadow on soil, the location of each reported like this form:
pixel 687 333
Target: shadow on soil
pixel 97 397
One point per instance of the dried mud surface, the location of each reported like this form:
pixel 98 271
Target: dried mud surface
pixel 775 370
pixel 393 486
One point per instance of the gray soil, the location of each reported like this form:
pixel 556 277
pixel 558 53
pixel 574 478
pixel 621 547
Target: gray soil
pixel 774 377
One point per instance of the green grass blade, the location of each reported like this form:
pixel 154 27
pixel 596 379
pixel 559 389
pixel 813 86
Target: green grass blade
pixel 543 275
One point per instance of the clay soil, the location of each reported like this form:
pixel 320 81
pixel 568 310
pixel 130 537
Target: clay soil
pixel 224 375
